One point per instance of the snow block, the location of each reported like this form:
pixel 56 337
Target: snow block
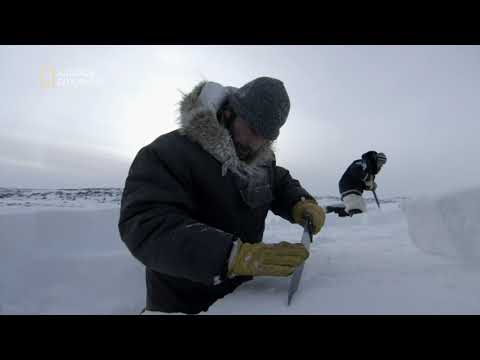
pixel 447 225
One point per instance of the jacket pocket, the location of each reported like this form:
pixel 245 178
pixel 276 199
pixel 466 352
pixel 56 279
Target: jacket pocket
pixel 257 195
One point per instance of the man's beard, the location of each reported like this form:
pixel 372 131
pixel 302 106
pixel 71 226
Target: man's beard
pixel 244 153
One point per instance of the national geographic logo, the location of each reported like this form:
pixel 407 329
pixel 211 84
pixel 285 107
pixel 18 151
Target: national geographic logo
pixel 47 77
pixel 51 78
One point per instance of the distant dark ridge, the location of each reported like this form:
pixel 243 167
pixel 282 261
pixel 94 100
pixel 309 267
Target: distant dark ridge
pixel 53 189
pixel 92 188
pixel 388 200
pixel 119 190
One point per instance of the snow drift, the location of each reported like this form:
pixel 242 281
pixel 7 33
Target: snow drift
pixel 70 259
pixel 67 261
pixel 447 225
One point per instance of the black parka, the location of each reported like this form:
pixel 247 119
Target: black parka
pixel 182 207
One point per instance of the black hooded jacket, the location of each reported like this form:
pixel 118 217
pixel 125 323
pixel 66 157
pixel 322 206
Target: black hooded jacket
pixel 354 179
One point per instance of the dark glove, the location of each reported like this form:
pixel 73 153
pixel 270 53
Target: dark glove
pixel 339 210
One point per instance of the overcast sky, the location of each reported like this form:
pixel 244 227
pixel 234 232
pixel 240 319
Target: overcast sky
pixel 418 104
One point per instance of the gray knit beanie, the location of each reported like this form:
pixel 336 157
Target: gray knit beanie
pixel 264 104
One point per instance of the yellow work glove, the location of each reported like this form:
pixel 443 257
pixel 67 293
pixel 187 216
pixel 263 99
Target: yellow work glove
pixel 262 259
pixel 309 208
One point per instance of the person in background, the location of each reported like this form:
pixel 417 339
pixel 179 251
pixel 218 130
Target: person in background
pixel 358 177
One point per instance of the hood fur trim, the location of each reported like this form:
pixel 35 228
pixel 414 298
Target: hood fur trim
pixel 200 124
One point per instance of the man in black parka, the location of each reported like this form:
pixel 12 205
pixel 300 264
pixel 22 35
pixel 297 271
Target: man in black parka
pixel 359 176
pixel 195 200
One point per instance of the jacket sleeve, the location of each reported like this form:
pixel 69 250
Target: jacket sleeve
pixel 353 180
pixel 287 192
pixel 156 225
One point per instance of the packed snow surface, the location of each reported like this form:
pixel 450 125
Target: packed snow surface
pixel 60 253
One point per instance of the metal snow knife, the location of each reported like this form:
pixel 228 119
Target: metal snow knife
pixel 376 198
pixel 297 275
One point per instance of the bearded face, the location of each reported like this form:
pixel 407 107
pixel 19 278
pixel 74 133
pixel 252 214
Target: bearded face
pixel 246 140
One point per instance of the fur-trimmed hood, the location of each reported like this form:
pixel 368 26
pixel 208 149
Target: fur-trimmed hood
pixel 200 124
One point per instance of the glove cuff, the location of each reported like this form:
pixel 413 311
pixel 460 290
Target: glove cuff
pixel 233 256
